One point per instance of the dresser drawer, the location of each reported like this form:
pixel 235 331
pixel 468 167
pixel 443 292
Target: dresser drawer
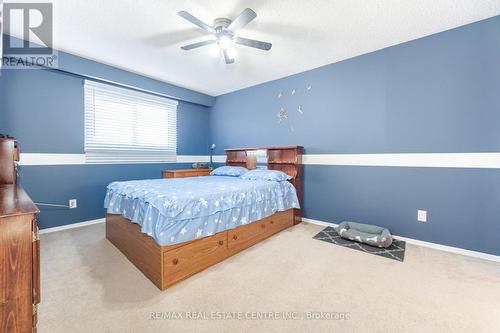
pixel 185 261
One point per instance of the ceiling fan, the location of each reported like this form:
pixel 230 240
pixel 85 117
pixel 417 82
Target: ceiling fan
pixel 224 31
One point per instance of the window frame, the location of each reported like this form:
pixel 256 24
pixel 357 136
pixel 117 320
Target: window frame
pixel 98 150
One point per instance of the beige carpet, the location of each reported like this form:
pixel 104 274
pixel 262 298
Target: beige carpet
pixel 89 286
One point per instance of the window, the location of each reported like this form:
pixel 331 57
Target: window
pixel 126 126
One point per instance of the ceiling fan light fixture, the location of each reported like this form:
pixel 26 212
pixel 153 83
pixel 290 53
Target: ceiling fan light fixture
pixel 225 42
pixel 224 31
pixel 231 53
pixel 214 50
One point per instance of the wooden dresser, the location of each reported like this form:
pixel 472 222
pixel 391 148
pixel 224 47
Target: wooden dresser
pixel 181 173
pixel 19 249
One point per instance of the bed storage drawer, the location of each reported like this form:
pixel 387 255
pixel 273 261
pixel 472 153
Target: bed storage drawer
pixel 185 261
pixel 280 221
pixel 247 235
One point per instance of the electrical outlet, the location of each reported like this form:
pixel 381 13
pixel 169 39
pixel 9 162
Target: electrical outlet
pixel 422 215
pixel 72 203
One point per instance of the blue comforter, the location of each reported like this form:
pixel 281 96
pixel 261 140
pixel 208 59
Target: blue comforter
pixel 178 210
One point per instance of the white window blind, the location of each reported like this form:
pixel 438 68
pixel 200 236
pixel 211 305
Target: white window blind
pixel 127 126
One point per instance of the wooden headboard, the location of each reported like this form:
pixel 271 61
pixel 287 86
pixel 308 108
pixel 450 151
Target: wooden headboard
pixel 284 158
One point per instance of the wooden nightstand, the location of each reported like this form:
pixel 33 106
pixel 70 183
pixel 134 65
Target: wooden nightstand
pixel 181 173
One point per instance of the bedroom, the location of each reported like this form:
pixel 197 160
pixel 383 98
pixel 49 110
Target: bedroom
pixel 149 184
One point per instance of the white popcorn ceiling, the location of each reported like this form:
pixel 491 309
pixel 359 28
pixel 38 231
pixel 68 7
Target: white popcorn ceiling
pixel 145 36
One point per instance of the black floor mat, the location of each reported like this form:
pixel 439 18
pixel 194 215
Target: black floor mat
pixel 396 251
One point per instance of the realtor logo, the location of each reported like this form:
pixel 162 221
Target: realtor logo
pixel 28 29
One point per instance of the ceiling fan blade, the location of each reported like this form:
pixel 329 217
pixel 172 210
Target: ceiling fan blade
pixel 196 21
pixel 228 59
pixel 253 43
pixel 246 16
pixel 199 44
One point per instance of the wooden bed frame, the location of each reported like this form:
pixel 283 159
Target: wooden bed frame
pixel 167 265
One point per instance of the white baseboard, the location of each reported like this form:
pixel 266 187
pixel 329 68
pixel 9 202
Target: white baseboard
pixel 451 249
pixel 71 226
pixel 318 222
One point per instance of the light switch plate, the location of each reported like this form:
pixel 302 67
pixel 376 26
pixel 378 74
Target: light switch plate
pixel 72 203
pixel 422 215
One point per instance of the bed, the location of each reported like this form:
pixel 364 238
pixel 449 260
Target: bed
pixel 173 228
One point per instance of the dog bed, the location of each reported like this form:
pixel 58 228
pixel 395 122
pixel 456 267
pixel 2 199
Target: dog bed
pixel 365 233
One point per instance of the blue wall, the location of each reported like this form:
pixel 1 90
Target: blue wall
pixel 44 110
pixel 436 94
pixel 75 65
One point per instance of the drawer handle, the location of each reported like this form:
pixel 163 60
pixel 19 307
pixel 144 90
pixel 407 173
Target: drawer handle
pixel 272 222
pixel 235 237
pixel 262 225
pixel 175 261
pixel 221 242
